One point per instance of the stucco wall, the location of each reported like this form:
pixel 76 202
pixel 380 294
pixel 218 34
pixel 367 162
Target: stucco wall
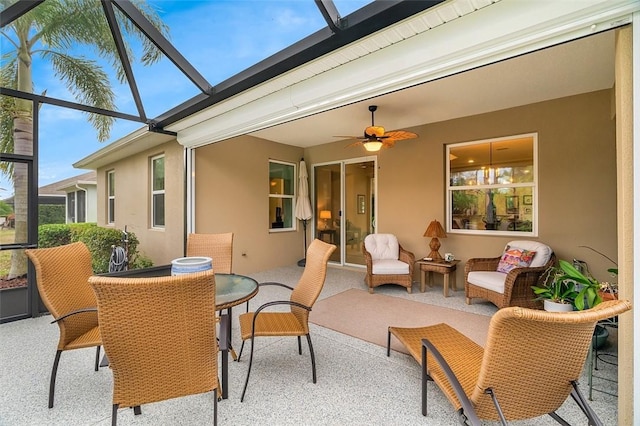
pixel 577 178
pixel 232 188
pixel 132 191
pixel 577 187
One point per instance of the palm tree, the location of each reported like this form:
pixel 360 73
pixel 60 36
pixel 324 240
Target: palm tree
pixel 49 32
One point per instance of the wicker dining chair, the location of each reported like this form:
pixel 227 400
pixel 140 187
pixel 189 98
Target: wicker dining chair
pixel 530 364
pixel 61 276
pixel 160 336
pixel 219 247
pixel 295 322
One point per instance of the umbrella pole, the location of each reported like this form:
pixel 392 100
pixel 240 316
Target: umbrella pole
pixel 303 262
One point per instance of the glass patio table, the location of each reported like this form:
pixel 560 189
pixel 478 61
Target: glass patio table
pixel 231 290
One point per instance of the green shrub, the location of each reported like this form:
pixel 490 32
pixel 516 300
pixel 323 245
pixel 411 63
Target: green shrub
pixel 53 235
pixel 100 242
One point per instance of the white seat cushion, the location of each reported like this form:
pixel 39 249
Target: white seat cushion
pixel 390 267
pixel 543 251
pixel 491 280
pixel 382 246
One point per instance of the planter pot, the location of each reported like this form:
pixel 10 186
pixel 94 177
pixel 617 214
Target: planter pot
pixel 557 307
pixel 600 336
pixel 605 295
pixel 187 265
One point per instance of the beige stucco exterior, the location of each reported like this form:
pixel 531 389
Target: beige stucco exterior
pixel 133 202
pixel 577 187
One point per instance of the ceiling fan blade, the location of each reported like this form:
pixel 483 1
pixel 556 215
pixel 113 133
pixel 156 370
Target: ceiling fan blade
pixel 354 144
pixel 388 143
pixel 399 135
pixel 347 137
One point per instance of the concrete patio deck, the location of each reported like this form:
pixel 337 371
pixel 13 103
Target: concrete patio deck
pixel 357 383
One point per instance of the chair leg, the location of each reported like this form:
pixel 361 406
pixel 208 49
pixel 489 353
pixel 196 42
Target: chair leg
pixel 246 382
pixel 97 358
pixel 388 341
pixel 584 406
pixel 114 415
pixel 299 346
pixel 559 419
pixel 52 382
pixel 215 407
pixel 313 358
pixel 240 354
pixel 137 410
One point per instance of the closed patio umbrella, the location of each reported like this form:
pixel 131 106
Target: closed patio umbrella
pixel 303 205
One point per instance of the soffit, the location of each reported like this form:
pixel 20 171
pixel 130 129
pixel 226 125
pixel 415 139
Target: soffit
pixel 445 40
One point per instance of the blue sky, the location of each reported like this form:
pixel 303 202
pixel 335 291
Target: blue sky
pixel 219 38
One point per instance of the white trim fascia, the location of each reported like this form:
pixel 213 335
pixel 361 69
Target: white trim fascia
pixel 137 141
pixel 496 32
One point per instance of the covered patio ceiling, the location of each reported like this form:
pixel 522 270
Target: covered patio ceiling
pixel 572 68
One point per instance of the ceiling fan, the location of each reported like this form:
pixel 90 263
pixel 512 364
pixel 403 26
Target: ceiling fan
pixel 375 137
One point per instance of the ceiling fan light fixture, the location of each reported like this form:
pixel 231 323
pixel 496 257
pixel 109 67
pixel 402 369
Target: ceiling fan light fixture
pixel 372 146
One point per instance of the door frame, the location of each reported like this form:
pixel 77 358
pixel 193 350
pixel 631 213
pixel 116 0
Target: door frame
pixel 343 194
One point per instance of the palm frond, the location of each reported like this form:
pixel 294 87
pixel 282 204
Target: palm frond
pixel 89 84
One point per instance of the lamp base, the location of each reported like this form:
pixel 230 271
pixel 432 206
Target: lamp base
pixel 436 256
pixel 434 245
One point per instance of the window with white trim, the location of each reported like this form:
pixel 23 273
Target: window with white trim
pixel 111 197
pixel 492 186
pixel 157 192
pixel 282 184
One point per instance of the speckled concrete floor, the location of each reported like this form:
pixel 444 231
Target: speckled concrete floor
pixel 357 383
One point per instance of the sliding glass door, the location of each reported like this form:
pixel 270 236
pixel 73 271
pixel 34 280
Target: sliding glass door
pixel 344 200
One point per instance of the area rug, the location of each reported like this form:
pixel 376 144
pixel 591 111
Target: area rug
pixel 367 316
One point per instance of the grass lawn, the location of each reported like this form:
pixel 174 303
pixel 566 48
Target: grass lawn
pixel 6 237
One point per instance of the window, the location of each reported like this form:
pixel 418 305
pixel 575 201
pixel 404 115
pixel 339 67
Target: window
pixel 111 197
pixel 491 186
pixel 71 207
pixel 76 207
pixel 157 192
pixel 282 179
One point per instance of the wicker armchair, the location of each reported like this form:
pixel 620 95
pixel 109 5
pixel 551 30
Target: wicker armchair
pixel 219 247
pixel 160 336
pixel 481 279
pixel 61 275
pixel 387 262
pixel 528 368
pixel 295 322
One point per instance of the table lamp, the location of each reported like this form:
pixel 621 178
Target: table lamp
pixel 435 231
pixel 326 215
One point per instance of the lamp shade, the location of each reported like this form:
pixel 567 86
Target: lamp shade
pixel 325 214
pixel 435 229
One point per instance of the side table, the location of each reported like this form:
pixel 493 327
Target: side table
pixel 441 267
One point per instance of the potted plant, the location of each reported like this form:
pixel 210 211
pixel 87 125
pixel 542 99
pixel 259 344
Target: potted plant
pixel 557 292
pixel 566 285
